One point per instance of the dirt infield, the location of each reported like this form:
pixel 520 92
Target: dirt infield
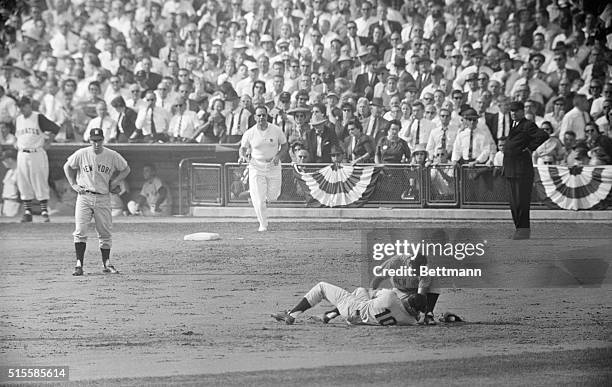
pixel 198 312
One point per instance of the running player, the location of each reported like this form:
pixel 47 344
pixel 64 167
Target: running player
pixel 384 308
pixel 92 172
pixel 34 134
pixel 266 143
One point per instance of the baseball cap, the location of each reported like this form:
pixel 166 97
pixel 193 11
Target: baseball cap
pixel 516 105
pixel 96 134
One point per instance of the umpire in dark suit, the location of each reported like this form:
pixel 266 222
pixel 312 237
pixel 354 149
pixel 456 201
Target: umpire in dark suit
pixel 524 138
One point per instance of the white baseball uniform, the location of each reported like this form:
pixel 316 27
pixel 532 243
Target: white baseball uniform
pixel 264 177
pixel 94 174
pixel 32 161
pixel 358 308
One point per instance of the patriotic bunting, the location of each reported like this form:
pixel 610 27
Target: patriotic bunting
pixel 339 185
pixel 575 188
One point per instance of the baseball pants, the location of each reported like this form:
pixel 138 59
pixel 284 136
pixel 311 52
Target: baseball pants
pixel 33 175
pixel 264 185
pixel 90 205
pixel 347 303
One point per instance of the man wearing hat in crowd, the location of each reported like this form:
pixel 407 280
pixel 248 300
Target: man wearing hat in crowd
pixel 34 134
pixel 524 138
pixel 320 139
pixel 365 82
pixel 301 127
pixel 375 125
pixel 423 77
pixel 471 146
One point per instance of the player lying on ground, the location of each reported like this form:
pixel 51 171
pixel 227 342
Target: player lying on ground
pixel 361 307
pixel 404 286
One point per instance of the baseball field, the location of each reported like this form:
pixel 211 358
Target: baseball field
pixel 198 313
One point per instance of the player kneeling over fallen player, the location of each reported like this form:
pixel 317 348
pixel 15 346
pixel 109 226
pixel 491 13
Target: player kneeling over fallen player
pixel 93 172
pixel 403 286
pixel 359 307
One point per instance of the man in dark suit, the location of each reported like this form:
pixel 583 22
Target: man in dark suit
pixel 364 83
pixel 388 26
pixel 126 120
pixel 320 140
pixel 524 138
pixel 562 72
pixel 375 125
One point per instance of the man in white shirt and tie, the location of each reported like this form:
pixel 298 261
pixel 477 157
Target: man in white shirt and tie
pixel 184 124
pixel 442 136
pixel 151 122
pixel 504 122
pixel 238 121
pixel 102 121
pixel 471 147
pixel 419 129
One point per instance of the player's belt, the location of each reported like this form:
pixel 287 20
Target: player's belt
pixel 93 192
pixel 32 150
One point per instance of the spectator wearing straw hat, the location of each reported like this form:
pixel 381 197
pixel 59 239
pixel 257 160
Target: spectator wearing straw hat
pixel 320 140
pixel 471 147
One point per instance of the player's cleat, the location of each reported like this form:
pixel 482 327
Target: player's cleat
pixel 45 217
pixel 78 271
pixel 284 316
pixel 26 218
pixel 262 229
pixel 110 269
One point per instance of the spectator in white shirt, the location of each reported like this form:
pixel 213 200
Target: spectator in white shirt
pixel 184 124
pixel 152 122
pixel 102 121
pixel 576 119
pixel 442 136
pixel 419 129
pixel 471 146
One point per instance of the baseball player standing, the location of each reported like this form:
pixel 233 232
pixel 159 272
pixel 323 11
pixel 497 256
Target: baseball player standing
pixel 34 133
pixel 266 143
pixel 93 172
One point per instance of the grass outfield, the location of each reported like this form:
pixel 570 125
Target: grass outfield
pixel 198 312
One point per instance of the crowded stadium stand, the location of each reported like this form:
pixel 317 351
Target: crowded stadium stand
pixel 386 84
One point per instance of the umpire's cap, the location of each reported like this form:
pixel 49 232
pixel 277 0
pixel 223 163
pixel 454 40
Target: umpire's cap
pixel 96 134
